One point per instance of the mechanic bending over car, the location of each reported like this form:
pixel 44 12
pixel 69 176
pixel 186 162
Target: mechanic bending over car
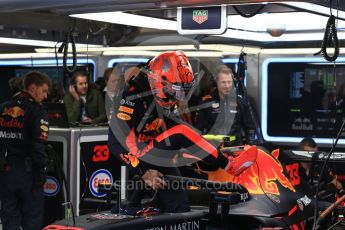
pixel 146 132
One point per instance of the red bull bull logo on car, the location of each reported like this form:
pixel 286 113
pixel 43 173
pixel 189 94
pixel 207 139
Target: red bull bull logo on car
pixel 260 178
pixel 14 112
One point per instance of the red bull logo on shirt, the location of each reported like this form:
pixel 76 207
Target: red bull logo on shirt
pixel 12 123
pixel 14 112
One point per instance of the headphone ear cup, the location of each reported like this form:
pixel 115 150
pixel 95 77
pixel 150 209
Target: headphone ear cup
pixel 73 83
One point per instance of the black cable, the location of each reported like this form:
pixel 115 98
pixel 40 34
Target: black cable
pixel 87 51
pixel 32 62
pixel 62 176
pixel 56 58
pixel 331 24
pixel 64 48
pixel 330 37
pixel 316 220
pixel 241 91
pixel 83 163
pixel 251 14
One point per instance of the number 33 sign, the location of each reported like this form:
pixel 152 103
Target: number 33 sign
pixel 100 153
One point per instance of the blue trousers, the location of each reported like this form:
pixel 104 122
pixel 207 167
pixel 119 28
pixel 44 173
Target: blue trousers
pixel 22 200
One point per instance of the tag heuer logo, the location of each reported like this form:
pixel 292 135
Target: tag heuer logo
pixel 200 16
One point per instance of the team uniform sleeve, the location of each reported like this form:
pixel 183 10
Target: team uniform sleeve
pixel 122 139
pixel 40 138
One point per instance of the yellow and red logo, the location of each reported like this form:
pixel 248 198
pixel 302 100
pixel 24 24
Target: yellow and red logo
pixel 154 126
pixel 14 112
pixel 124 116
pixel 130 158
pixel 260 178
pixel 126 109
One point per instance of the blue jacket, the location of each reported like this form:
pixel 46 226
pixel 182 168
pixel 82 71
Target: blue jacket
pixel 24 130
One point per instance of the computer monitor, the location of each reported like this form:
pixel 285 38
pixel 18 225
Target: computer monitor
pixel 57 115
pixel 311 92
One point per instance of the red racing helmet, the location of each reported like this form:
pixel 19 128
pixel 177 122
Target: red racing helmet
pixel 171 78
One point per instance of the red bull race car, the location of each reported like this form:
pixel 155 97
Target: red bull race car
pixel 261 197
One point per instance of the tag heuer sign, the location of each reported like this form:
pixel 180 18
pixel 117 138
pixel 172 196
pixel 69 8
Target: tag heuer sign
pixel 200 16
pixel 202 20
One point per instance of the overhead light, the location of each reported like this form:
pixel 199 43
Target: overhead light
pixel 203 53
pixel 148 50
pixel 32 55
pixel 154 53
pixel 130 53
pixel 316 8
pixel 30 42
pixel 130 20
pixel 132 50
pixel 304 51
pixel 126 60
pixel 248 32
pixel 292 21
pixel 265 37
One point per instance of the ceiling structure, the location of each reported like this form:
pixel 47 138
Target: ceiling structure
pixel 50 20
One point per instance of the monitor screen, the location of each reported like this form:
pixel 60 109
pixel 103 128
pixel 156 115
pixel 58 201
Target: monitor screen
pixel 57 114
pixel 57 74
pixel 302 97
